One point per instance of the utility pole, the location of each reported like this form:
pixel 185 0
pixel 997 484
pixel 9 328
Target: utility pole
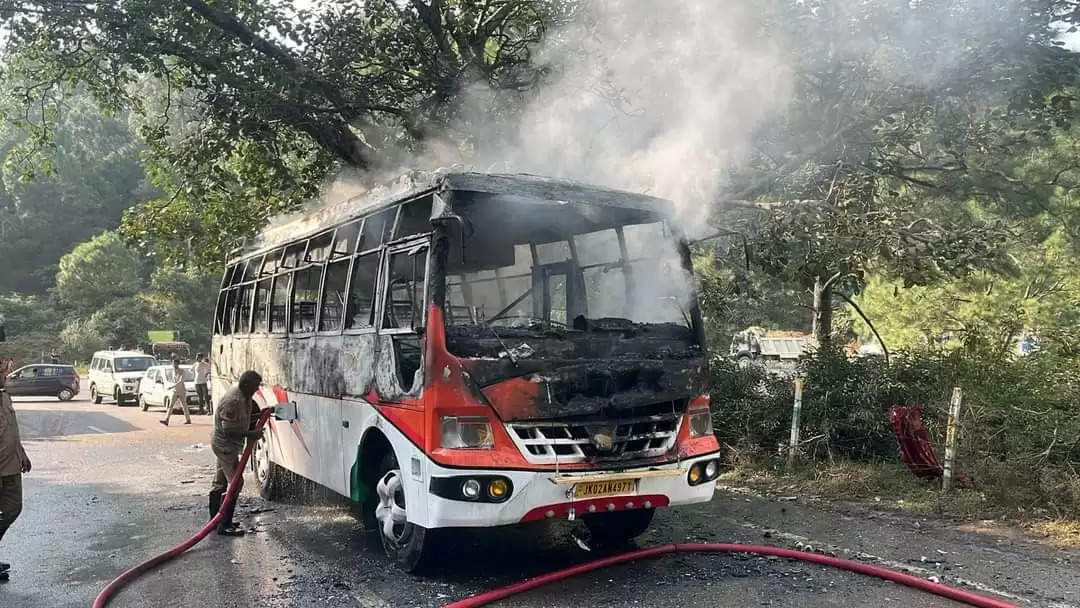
pixel 793 447
pixel 950 439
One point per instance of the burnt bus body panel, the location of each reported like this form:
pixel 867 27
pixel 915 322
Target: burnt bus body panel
pixel 580 374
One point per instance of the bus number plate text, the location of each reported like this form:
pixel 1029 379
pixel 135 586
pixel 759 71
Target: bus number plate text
pixel 596 489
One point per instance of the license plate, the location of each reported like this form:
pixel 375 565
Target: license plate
pixel 595 489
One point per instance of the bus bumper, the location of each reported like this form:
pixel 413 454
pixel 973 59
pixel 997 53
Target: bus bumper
pixel 539 495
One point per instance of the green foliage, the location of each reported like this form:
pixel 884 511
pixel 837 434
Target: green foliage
pixel 31 326
pixel 80 340
pixel 184 301
pixel 1019 420
pixel 245 107
pixel 97 273
pixel 94 174
pixel 1041 297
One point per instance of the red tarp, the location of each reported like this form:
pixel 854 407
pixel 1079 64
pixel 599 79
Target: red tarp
pixel 916 450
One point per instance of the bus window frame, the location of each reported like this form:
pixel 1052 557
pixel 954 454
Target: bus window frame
pixel 302 265
pixel 389 244
pixel 414 243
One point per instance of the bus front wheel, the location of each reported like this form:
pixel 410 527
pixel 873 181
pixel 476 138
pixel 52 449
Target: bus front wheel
pixel 270 476
pixel 615 529
pixel 403 541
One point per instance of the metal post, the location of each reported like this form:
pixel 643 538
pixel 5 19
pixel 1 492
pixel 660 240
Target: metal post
pixel 950 439
pixel 793 448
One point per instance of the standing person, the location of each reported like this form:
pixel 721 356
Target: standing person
pixel 179 393
pixel 202 377
pixel 13 464
pixel 232 426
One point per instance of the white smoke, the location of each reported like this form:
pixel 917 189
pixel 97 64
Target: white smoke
pixel 647 96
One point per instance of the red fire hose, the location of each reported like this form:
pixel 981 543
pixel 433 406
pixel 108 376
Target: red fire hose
pixel 966 597
pixel 483 599
pixel 230 498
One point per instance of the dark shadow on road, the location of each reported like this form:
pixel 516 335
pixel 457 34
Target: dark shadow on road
pixel 44 424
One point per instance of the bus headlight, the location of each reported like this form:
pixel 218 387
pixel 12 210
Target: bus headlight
pixel 467 432
pixel 498 488
pixel 471 489
pixel 700 419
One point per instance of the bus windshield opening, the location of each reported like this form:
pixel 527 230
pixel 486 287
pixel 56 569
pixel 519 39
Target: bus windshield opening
pixel 571 267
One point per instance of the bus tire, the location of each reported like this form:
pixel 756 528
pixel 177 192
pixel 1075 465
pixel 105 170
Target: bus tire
pixel 616 529
pixel 270 476
pixel 402 541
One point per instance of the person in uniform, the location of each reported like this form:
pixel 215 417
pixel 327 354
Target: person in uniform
pixel 202 378
pixel 179 394
pixel 13 464
pixel 233 425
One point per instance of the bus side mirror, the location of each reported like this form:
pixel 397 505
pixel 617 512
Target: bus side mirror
pixel 285 411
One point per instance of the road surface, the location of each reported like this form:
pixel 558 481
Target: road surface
pixel 111 487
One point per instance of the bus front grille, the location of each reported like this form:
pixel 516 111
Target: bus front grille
pixel 613 439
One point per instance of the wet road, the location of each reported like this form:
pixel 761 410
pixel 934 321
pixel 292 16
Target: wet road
pixel 111 487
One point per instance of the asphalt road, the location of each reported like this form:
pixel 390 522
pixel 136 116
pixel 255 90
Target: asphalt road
pixel 111 487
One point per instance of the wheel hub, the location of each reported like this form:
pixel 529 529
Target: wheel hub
pixel 262 461
pixel 390 512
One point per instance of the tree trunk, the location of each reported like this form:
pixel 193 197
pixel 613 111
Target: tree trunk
pixel 822 311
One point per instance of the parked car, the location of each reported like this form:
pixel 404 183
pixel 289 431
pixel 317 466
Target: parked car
pixel 117 374
pixel 156 388
pixel 44 380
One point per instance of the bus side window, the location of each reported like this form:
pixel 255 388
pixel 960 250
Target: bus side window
pixel 279 303
pixel 377 229
pixel 345 239
pixel 305 298
pixel 243 309
pixel 229 317
pixel 219 314
pixel 415 218
pixel 262 301
pixel 333 297
pixel 404 308
pixel 361 308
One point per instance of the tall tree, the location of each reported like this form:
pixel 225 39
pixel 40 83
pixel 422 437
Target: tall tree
pixel 281 93
pixel 906 121
pixel 97 273
pixel 91 176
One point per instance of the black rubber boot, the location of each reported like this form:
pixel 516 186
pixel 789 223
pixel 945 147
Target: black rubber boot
pixel 215 502
pixel 228 527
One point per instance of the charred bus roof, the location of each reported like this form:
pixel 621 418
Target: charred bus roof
pixel 494 187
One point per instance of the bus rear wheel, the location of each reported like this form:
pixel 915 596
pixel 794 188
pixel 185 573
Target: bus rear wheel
pixel 403 541
pixel 616 529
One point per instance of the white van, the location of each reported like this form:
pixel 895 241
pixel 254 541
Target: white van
pixel 117 373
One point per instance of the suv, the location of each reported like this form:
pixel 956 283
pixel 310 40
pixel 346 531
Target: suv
pixel 117 374
pixel 44 380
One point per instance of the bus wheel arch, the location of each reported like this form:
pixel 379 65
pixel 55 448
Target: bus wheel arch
pixel 374 445
pixel 378 489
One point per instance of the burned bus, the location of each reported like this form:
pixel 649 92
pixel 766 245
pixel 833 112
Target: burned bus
pixel 475 350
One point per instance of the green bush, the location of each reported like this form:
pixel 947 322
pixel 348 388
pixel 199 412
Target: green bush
pixel 1017 409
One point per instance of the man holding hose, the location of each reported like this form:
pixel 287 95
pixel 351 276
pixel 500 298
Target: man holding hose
pixel 233 424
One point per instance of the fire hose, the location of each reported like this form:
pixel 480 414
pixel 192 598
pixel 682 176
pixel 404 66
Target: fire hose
pixel 960 595
pixel 488 597
pixel 230 498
